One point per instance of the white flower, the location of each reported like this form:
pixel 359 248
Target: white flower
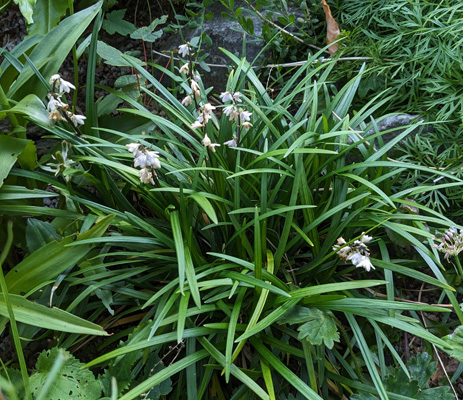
pixel 54 104
pixel 204 118
pixel 145 176
pixel 195 87
pixel 365 263
pixel 213 146
pixel 365 238
pixel 343 253
pixel 246 125
pixel 77 119
pixel 231 112
pixel 55 115
pixel 208 108
pixel 237 97
pixel 152 159
pixel 140 161
pixel 65 86
pixel 184 69
pixel 226 96
pixel 245 115
pixel 55 78
pixel 206 141
pixel 355 258
pixel 184 49
pixel 133 147
pixel 231 143
pixel 196 125
pixel 187 101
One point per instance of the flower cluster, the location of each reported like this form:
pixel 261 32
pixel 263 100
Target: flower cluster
pixel 357 252
pixel 63 162
pixel 146 159
pixel 235 113
pixel 56 107
pixel 451 242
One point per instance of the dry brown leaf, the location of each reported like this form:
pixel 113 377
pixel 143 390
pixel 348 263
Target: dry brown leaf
pixel 332 28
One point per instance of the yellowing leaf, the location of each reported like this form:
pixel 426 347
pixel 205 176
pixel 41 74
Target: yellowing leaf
pixel 332 28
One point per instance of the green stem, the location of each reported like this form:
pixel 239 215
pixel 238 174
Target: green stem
pixel 75 62
pixel 6 105
pixel 14 328
pixel 460 270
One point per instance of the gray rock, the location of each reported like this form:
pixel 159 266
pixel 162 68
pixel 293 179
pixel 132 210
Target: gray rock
pixel 401 122
pixel 223 33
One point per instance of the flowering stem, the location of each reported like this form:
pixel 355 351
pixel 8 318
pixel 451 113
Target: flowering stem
pixel 75 60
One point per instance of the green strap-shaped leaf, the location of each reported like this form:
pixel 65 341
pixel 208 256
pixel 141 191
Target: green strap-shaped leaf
pixel 35 314
pixel 52 259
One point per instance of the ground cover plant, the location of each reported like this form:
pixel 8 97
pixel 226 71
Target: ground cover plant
pixel 207 245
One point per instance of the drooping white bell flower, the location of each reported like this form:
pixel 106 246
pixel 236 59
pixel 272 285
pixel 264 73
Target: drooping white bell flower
pixel 231 143
pixel 226 96
pixel 184 49
pixel 245 115
pixel 184 69
pixel 78 119
pixel 145 176
pixel 187 101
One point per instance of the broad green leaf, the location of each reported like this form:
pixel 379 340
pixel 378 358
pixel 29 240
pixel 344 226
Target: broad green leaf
pixel 52 259
pixel 115 22
pixel 28 158
pixel 31 106
pixel 47 14
pixel 41 316
pixel 10 149
pixel 27 9
pixel 50 53
pixel 70 382
pixel 317 326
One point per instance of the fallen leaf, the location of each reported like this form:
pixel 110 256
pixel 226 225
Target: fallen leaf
pixel 332 28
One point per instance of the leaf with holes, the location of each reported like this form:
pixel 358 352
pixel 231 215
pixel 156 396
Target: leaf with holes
pixel 71 381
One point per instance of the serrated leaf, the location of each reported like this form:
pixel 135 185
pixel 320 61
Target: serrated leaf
pixel 398 383
pixel 317 326
pixel 456 341
pixel 146 33
pixel 436 393
pixel 115 22
pixel 71 381
pixel 422 368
